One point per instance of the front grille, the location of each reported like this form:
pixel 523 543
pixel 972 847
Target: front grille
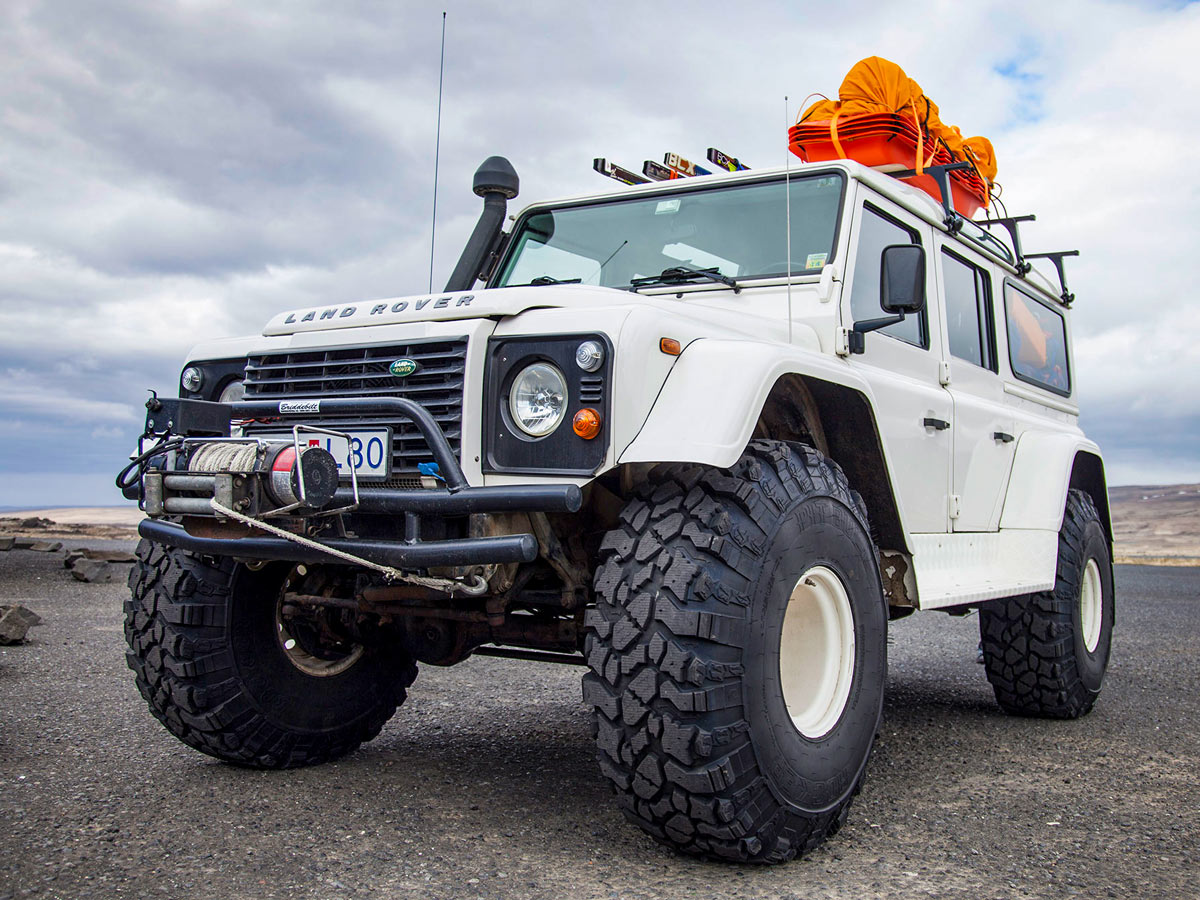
pixel 363 372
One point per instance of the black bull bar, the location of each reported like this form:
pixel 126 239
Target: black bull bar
pixel 456 499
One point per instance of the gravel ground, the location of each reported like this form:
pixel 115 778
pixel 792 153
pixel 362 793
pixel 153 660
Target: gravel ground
pixel 484 784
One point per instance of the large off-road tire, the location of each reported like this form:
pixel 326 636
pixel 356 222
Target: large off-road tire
pixel 207 646
pixel 1046 653
pixel 738 654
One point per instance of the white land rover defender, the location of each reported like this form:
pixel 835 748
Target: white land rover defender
pixel 704 436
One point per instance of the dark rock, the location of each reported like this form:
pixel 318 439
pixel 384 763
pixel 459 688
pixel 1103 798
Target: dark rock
pixel 93 570
pixel 15 621
pixel 42 546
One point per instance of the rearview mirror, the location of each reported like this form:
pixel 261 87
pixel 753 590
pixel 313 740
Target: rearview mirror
pixel 902 278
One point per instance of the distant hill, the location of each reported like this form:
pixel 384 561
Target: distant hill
pixel 1156 523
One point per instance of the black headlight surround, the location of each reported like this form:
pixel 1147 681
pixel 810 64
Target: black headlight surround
pixel 218 373
pixel 507 449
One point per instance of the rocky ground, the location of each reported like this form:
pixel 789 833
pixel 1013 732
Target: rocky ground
pixel 484 784
pixel 1157 525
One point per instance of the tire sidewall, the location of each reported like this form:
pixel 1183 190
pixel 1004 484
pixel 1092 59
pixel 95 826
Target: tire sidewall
pixel 282 693
pixel 1092 664
pixel 815 775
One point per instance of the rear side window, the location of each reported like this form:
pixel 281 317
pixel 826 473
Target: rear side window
pixel 878 231
pixel 968 291
pixel 1037 341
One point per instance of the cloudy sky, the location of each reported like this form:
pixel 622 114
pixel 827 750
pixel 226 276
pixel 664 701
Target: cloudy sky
pixel 173 171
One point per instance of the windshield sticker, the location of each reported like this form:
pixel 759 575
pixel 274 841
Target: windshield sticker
pixel 815 260
pixel 666 207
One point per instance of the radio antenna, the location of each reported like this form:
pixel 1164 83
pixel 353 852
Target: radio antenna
pixel 787 193
pixel 437 147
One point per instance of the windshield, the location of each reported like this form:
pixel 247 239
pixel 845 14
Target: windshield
pixel 739 230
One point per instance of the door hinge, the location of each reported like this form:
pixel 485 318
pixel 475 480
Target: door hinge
pixel 841 343
pixel 955 506
pixel 944 372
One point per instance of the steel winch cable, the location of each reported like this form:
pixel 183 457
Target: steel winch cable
pixel 476 587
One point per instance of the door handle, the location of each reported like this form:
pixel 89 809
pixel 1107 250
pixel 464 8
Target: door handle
pixel 1002 437
pixel 938 424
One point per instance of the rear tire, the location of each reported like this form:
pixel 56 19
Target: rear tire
pixel 711 596
pixel 1046 654
pixel 207 645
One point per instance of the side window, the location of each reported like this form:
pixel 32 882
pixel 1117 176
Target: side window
pixel 968 292
pixel 1037 341
pixel 878 232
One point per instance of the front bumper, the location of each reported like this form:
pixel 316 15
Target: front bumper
pixel 184 418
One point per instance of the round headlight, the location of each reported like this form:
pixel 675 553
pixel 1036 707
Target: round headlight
pixel 537 400
pixel 233 392
pixel 192 379
pixel 589 356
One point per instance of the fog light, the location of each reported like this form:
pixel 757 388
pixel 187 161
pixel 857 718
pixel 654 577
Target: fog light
pixel 586 423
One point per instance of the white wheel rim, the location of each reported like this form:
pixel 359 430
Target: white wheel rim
pixel 816 652
pixel 1091 605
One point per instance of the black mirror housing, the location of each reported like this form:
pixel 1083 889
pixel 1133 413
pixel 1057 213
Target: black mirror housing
pixel 902 278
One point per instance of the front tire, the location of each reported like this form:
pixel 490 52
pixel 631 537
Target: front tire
pixel 230 677
pixel 1046 653
pixel 738 654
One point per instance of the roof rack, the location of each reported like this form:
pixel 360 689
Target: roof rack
pixel 1011 225
pixel 941 174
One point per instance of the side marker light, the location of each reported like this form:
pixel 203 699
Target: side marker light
pixel 670 346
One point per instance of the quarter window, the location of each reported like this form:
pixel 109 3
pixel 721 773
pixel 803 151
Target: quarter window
pixel 1037 342
pixel 968 292
pixel 875 233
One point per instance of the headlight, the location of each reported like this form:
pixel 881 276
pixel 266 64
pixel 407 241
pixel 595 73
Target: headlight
pixel 233 392
pixel 192 379
pixel 537 400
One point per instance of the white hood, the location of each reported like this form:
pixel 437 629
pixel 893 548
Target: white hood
pixel 498 302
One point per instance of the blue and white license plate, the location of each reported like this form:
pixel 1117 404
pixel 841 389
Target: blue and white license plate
pixel 370 450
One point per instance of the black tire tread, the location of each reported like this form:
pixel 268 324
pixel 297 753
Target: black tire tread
pixel 663 647
pixel 1028 640
pixel 179 651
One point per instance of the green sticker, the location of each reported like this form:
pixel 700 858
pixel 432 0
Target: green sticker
pixel 816 260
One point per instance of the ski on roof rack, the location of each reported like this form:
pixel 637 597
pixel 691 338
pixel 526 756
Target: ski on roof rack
pixel 612 170
pixel 725 161
pixel 683 166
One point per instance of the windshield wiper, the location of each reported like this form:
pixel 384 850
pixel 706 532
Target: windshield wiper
pixel 684 275
pixel 548 279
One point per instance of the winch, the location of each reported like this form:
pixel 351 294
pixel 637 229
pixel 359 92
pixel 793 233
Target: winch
pixel 258 477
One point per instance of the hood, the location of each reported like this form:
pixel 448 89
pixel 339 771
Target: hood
pixel 488 303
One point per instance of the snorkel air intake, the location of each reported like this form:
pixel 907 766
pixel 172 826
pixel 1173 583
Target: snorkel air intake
pixel 496 182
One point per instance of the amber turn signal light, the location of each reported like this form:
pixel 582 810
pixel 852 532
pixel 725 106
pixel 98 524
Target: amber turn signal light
pixel 670 346
pixel 586 423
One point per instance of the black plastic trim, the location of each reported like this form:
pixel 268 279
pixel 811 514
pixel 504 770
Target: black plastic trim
pixel 218 373
pixel 562 452
pixel 423 555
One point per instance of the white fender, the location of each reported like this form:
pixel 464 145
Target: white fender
pixel 711 401
pixel 1041 475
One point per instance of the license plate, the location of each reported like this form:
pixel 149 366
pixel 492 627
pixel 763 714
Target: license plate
pixel 370 450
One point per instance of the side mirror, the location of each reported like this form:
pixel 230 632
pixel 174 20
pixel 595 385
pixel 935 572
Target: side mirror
pixel 902 279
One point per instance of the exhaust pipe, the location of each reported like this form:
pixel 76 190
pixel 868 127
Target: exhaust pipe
pixel 496 182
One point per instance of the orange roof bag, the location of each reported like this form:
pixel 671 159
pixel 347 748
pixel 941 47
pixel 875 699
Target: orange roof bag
pixel 875 86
